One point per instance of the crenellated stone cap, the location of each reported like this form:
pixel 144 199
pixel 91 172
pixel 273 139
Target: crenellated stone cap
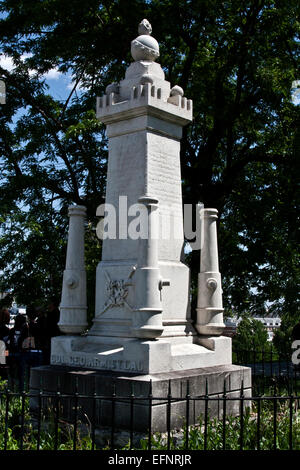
pixel 144 90
pixel 144 47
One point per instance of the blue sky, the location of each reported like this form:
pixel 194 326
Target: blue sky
pixel 59 84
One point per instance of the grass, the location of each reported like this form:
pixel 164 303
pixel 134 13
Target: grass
pixel 236 434
pixel 18 432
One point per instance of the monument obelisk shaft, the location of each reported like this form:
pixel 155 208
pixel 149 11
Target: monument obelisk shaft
pixel 144 120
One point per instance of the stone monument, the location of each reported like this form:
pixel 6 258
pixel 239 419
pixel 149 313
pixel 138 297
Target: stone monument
pixel 142 328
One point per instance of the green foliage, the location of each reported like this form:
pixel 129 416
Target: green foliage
pixel 251 335
pixel 283 336
pixel 34 266
pixel 215 432
pixel 48 439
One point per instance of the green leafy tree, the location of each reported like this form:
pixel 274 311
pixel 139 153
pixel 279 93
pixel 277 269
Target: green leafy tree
pixel 251 334
pixel 283 336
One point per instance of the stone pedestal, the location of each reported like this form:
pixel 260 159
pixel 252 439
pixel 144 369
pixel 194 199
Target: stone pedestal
pixel 147 411
pixel 141 357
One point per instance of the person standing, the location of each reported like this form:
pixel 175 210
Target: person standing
pixel 53 314
pixel 4 322
pixel 51 327
pixel 16 337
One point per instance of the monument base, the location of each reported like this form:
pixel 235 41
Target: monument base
pixel 132 407
pixel 141 357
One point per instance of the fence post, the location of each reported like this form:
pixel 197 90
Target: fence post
pixel 291 423
pixel 131 413
pixel 242 416
pixel 22 418
pixel 113 411
pixel 206 414
pixel 6 418
pixel 258 421
pixel 224 416
pixel 169 415
pixel 39 414
pixel 94 414
pixel 75 413
pixel 275 416
pixel 187 414
pixel 57 402
pixel 150 415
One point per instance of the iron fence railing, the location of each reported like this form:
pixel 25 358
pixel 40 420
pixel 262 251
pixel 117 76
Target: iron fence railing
pixel 57 422
pixel 266 417
pixel 269 366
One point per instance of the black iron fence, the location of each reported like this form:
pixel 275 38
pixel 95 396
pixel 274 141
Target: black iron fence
pixel 270 367
pixel 55 421
pixel 264 418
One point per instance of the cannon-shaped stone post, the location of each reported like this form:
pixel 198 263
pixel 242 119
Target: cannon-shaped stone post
pixel 209 304
pixel 147 321
pixel 73 307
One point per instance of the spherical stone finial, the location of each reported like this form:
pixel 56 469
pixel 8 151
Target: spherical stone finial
pixel 144 47
pixel 176 90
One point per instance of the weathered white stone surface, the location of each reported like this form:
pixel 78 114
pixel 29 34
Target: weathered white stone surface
pixel 73 307
pixel 142 318
pixel 144 122
pixel 144 47
pixel 210 305
pixel 138 356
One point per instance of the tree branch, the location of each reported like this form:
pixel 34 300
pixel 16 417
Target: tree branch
pixel 52 123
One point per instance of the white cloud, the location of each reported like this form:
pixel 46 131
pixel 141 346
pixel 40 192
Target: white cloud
pixel 6 62
pixel 296 84
pixel 53 74
pixel 295 92
pixel 26 56
pixel 54 77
